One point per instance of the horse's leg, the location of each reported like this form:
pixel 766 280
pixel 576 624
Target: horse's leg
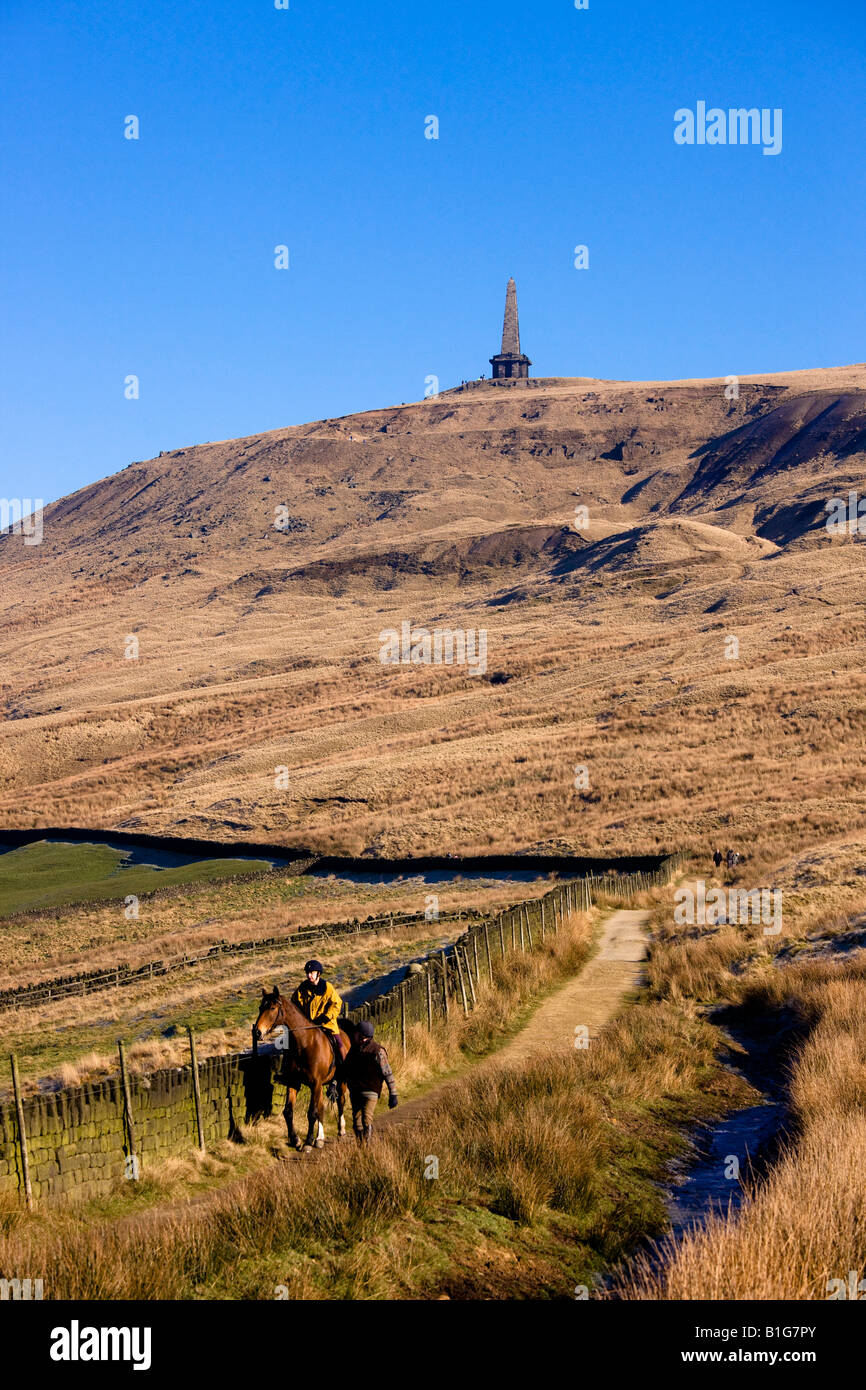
pixel 289 1115
pixel 316 1131
pixel 319 1103
pixel 342 1092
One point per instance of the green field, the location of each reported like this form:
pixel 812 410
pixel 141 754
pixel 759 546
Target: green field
pixel 48 875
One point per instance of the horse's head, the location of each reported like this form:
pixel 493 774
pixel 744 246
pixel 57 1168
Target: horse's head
pixel 270 1010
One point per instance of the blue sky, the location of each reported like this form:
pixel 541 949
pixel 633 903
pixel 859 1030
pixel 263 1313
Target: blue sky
pixel 261 127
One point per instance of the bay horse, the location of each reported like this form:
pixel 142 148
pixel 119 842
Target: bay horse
pixel 308 1060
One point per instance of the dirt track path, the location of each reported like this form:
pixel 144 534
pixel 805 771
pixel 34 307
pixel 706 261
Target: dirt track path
pixel 588 1000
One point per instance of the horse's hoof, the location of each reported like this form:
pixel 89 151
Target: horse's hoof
pixel 307 1149
pixel 320 1143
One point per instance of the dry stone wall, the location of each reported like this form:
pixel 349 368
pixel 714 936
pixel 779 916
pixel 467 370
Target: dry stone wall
pixel 77 1140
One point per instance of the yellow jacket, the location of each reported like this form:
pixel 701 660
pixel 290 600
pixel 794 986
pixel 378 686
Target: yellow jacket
pixel 321 1003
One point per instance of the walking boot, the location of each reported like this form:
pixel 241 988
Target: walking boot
pixel 368 1133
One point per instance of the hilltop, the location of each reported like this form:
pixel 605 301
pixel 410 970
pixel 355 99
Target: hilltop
pixel 258 645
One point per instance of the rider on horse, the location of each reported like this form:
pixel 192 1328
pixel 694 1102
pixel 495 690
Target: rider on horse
pixel 317 998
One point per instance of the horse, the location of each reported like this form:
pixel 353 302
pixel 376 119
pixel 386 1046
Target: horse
pixel 309 1061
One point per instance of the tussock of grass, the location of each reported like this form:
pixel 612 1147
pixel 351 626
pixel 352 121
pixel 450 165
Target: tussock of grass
pixel 805 1226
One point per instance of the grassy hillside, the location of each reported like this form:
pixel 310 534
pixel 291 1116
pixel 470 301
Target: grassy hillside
pixel 44 874
pixel 697 644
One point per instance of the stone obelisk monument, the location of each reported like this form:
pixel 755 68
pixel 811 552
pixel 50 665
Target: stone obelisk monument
pixel 510 362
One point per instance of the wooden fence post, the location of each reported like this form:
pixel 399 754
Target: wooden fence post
pixel 460 978
pixel 403 1016
pixel 196 1092
pixel 502 935
pixel 471 981
pixel 513 941
pixel 489 959
pixel 429 999
pixel 127 1108
pixel 528 928
pixel 475 950
pixel 542 919
pixel 522 942
pixel 445 982
pixel 22 1134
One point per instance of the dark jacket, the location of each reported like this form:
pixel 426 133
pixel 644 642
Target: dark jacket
pixel 367 1068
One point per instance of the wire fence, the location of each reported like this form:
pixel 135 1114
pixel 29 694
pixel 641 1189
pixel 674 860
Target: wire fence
pixel 459 974
pixel 70 1139
pixel 116 976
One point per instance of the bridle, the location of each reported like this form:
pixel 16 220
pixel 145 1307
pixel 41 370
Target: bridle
pixel 306 1028
pixel 280 1011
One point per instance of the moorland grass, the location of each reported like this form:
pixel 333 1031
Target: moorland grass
pixel 554 1162
pixel 804 1225
pixel 550 1176
pixel 47 874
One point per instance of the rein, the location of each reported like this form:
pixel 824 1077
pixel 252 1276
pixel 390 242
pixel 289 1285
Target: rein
pixel 280 1022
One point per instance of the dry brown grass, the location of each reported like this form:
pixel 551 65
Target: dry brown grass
pixel 528 1147
pixel 94 937
pixel 218 998
pixel 805 1224
pixel 621 666
pixel 344 1197
pixel 804 1227
pixel 577 1136
pixel 518 982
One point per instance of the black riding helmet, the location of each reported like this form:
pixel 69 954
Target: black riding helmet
pixel 365 1028
pixel 314 965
